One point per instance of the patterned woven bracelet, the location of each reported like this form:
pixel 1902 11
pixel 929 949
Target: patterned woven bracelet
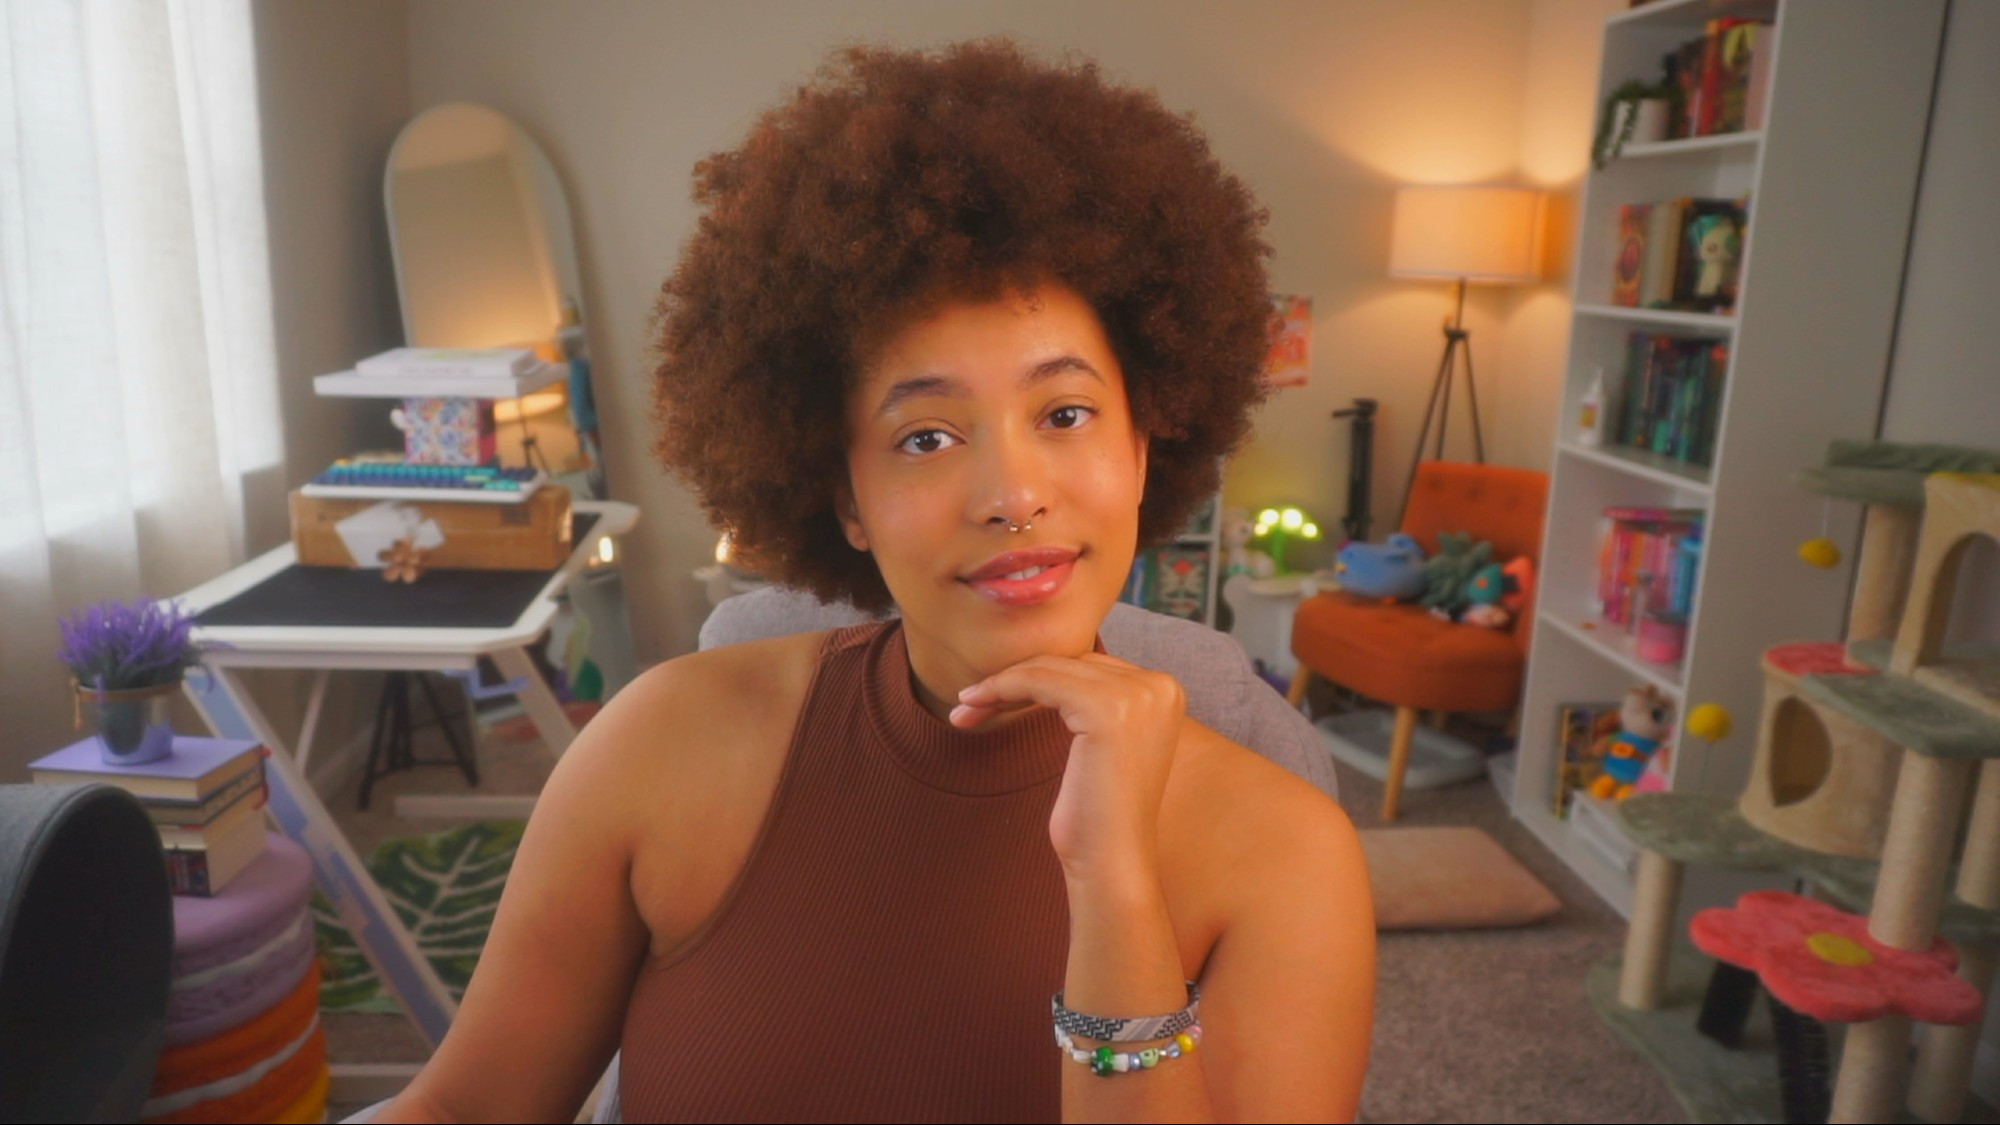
pixel 1135 1029
pixel 1105 1062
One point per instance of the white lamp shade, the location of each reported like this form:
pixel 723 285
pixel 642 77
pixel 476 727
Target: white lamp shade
pixel 1489 234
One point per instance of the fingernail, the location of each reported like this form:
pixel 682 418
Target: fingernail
pixel 960 712
pixel 967 690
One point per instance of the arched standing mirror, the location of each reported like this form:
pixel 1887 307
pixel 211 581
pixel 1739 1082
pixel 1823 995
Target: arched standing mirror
pixel 485 258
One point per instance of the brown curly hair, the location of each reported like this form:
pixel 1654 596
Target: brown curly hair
pixel 897 178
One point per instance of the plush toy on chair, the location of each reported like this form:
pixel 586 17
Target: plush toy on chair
pixel 1400 654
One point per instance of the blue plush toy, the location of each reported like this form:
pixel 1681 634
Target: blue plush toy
pixel 1393 570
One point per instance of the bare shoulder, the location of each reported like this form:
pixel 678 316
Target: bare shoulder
pixel 1239 800
pixel 692 752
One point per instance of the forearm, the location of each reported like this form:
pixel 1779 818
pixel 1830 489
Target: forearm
pixel 1124 961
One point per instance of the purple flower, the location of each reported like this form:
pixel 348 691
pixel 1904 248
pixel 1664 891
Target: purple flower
pixel 112 646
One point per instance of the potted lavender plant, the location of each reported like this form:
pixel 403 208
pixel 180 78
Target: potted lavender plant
pixel 127 661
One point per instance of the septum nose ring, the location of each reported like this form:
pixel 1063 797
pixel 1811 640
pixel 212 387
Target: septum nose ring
pixel 1017 528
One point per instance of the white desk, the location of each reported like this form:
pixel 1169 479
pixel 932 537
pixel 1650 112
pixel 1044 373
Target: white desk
pixel 231 712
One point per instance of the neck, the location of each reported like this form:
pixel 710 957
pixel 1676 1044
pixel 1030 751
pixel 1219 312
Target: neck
pixel 938 672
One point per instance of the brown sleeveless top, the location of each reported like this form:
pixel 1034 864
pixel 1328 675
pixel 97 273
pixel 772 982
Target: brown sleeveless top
pixel 888 951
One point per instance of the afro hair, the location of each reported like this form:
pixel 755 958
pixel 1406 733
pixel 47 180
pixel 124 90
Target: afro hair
pixel 899 177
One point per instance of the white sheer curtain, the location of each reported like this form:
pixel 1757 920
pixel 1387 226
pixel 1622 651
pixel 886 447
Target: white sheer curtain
pixel 137 368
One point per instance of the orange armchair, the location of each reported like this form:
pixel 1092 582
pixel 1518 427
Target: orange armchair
pixel 1399 653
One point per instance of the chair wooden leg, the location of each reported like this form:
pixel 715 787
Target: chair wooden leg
pixel 1301 680
pixel 1399 760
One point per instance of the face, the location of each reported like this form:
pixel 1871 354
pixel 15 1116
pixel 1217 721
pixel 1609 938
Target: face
pixel 975 419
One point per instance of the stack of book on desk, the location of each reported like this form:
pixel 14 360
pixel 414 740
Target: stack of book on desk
pixel 206 799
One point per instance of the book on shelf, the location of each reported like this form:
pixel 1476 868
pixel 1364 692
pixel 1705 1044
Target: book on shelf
pixel 1627 270
pixel 1671 396
pixel 195 771
pixel 1647 562
pixel 1724 77
pixel 1579 726
pixel 471 363
pixel 205 867
pixel 1662 254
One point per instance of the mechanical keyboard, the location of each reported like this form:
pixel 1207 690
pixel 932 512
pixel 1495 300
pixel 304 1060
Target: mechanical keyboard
pixel 399 480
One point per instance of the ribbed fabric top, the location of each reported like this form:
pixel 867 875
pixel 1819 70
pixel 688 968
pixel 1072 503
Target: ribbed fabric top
pixel 888 951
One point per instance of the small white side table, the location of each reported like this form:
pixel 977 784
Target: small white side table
pixel 1264 608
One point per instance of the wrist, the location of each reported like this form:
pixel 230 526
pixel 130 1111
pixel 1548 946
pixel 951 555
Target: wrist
pixel 1129 876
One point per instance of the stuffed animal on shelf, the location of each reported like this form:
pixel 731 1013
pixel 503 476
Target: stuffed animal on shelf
pixel 1238 556
pixel 1392 571
pixel 1643 722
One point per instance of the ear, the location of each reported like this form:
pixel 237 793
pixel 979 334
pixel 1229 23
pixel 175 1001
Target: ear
pixel 850 518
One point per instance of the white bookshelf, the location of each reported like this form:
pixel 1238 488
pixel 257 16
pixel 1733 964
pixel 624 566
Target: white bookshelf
pixel 1832 178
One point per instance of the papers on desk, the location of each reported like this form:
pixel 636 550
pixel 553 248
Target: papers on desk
pixel 369 533
pixel 442 383
pixel 478 363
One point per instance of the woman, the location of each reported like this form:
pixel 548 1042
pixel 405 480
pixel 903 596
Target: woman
pixel 957 331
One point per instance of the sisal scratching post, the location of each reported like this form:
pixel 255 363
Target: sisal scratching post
pixel 1872 1069
pixel 1908 893
pixel 1649 937
pixel 1944 1061
pixel 1882 574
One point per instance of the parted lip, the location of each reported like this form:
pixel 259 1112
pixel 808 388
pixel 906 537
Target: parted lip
pixel 1002 565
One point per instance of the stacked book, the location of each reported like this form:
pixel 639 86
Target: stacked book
pixel 1724 77
pixel 1671 396
pixel 1647 562
pixel 206 799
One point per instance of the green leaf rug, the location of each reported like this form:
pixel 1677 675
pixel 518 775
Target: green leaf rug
pixel 444 887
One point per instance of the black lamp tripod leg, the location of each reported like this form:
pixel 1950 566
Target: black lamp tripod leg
pixel 1440 395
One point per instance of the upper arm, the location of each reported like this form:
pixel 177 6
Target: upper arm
pixel 1288 993
pixel 543 1012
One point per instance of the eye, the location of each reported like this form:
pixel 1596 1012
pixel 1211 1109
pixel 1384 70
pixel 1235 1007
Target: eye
pixel 926 441
pixel 1070 417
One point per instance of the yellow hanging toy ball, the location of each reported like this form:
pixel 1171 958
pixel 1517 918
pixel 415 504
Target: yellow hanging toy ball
pixel 1821 553
pixel 1709 722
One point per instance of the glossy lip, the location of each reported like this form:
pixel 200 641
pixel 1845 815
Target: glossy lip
pixel 991 578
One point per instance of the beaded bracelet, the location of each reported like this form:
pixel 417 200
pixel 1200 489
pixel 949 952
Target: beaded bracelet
pixel 1133 1029
pixel 1105 1062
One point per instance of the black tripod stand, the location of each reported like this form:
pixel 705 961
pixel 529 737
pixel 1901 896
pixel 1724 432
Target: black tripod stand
pixel 1456 340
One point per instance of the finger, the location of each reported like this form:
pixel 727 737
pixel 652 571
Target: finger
pixel 967 716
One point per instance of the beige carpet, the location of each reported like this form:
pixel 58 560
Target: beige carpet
pixel 1450 878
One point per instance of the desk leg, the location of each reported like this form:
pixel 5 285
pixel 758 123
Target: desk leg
pixel 231 713
pixel 544 710
pixel 314 702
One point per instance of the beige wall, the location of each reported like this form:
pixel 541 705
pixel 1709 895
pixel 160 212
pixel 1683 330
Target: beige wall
pixel 1322 107
pixel 333 88
pixel 1944 379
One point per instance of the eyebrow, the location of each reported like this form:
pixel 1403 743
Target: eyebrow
pixel 950 386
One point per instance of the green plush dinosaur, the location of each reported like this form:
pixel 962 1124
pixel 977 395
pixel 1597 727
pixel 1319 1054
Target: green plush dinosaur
pixel 1448 574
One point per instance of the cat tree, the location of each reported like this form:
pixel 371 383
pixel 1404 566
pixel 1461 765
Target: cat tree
pixel 1866 751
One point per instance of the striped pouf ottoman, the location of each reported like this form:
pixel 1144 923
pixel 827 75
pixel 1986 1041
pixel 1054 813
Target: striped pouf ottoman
pixel 243 1034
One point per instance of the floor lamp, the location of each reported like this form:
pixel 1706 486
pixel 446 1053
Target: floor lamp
pixel 1462 235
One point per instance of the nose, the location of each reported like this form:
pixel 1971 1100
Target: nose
pixel 1013 481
